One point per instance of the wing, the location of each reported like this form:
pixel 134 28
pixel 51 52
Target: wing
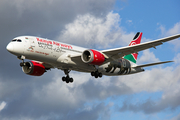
pixel 120 52
pixel 152 64
pixel 47 66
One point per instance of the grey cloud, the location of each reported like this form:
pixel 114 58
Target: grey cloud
pixel 47 97
pixel 96 90
pixel 146 107
pixel 93 112
pixel 27 97
pixel 150 106
pixel 168 82
pixel 84 112
pixel 45 17
pixel 39 99
pixel 41 18
pixel 20 92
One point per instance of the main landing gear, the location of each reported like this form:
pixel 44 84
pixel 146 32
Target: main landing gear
pixel 96 74
pixel 67 79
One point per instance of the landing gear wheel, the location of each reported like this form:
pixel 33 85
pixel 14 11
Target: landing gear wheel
pixel 71 80
pixel 100 75
pixel 92 73
pixel 67 79
pixel 21 64
pixel 96 74
pixel 22 58
pixel 63 79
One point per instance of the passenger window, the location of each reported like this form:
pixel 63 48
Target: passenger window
pixel 14 40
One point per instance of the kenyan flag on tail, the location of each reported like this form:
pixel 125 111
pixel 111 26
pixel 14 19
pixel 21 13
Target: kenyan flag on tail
pixel 136 40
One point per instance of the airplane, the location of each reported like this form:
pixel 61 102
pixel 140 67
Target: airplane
pixel 46 54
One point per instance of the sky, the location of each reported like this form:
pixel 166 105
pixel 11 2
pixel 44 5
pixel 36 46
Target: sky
pixel 104 24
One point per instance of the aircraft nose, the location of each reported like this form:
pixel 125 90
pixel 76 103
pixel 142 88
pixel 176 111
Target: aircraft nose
pixel 10 47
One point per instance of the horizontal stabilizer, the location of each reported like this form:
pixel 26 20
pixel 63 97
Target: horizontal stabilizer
pixel 152 64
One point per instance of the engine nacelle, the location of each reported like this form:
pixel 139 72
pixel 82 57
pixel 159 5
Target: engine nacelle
pixel 33 68
pixel 93 57
pixel 118 67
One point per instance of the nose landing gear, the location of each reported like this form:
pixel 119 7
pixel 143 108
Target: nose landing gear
pixel 22 58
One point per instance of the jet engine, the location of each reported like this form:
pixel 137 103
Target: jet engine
pixel 33 68
pixel 92 57
pixel 118 67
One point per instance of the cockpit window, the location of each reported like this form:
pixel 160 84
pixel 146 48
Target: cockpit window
pixel 18 40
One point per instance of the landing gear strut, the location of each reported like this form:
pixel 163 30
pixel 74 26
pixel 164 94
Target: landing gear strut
pixel 22 58
pixel 96 74
pixel 22 63
pixel 67 79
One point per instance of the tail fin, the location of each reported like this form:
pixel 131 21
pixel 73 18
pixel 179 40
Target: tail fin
pixel 136 40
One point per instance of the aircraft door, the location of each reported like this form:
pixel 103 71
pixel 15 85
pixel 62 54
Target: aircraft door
pixel 29 44
pixel 32 43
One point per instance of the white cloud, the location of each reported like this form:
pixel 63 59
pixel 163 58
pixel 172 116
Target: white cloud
pixel 129 22
pixel 89 31
pixel 172 31
pixel 147 57
pixel 161 28
pixel 153 80
pixel 2 105
pixel 166 80
pixel 177 59
pixel 175 30
pixel 69 94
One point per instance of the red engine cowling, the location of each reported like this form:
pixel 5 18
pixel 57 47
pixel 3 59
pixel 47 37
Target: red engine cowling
pixel 33 68
pixel 93 57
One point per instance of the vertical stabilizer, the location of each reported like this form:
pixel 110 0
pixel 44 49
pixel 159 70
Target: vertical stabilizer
pixel 136 40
